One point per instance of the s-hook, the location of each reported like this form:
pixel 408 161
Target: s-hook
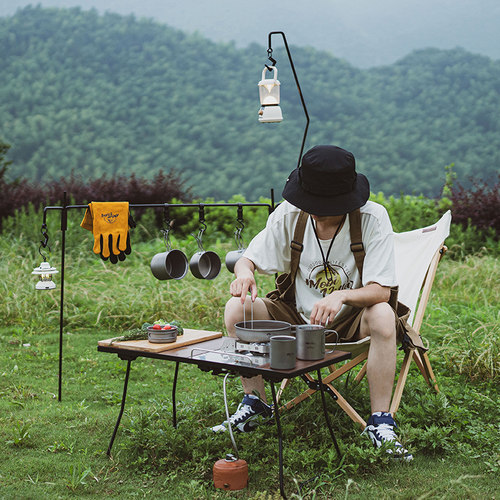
pixel 45 242
pixel 167 226
pixel 239 228
pixel 203 226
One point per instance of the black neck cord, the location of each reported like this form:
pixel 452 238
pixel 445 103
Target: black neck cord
pixel 325 261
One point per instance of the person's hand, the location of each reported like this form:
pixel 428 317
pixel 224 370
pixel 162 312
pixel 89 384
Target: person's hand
pixel 242 285
pixel 325 310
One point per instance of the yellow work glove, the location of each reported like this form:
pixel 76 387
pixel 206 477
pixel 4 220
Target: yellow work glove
pixel 109 222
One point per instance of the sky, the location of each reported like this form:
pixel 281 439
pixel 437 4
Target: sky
pixel 366 33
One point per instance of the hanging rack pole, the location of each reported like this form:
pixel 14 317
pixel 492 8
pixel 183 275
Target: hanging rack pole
pixel 270 51
pixel 64 227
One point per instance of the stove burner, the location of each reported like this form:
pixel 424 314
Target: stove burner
pixel 263 348
pixel 237 352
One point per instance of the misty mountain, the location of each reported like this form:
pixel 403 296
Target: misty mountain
pixel 363 32
pixel 108 94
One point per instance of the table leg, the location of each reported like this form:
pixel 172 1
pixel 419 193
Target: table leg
pixel 325 411
pixel 280 437
pixel 174 387
pixel 124 397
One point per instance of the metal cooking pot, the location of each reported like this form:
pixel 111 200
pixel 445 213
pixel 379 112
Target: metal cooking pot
pixel 261 330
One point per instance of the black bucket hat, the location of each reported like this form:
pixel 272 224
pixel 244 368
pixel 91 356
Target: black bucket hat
pixel 326 183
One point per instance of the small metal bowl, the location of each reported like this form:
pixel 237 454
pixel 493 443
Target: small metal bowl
pixel 156 336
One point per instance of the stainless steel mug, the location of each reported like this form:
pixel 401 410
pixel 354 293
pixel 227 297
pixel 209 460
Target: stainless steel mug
pixel 232 257
pixel 310 342
pixel 205 265
pixel 169 265
pixel 283 352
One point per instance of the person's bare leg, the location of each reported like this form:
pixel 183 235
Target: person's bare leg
pixel 378 322
pixel 234 314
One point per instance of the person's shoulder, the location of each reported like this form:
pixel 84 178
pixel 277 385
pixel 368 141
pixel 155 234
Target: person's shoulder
pixel 285 214
pixel 375 212
pixel 285 210
pixel 373 208
pixel 286 207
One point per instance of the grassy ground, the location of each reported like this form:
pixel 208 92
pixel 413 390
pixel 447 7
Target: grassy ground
pixel 58 449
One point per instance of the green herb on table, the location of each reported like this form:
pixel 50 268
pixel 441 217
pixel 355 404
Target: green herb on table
pixel 142 333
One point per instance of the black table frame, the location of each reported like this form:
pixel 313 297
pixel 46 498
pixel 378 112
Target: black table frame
pixel 183 355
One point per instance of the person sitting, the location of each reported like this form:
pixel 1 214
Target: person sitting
pixel 329 289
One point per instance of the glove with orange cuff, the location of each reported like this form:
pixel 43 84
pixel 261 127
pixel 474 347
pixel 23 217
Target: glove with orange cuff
pixel 109 223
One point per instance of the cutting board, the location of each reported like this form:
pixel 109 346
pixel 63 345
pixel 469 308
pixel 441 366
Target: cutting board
pixel 189 337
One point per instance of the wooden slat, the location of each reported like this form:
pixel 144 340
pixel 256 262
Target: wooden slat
pixel 189 337
pixel 403 374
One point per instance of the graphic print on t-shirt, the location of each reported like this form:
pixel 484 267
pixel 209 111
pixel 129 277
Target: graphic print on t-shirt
pixel 336 278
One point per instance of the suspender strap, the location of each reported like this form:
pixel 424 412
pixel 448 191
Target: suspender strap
pixel 285 283
pixel 296 244
pixel 357 247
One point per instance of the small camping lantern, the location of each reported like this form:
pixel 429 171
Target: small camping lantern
pixel 45 272
pixel 269 93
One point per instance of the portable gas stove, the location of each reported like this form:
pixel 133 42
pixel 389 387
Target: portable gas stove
pixel 238 352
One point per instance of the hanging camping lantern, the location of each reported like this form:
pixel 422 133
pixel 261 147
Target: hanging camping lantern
pixel 45 272
pixel 269 93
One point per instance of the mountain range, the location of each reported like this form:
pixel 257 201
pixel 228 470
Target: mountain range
pixel 108 94
pixel 363 32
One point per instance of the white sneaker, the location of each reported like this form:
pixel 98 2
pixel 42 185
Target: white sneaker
pixel 251 412
pixel 380 429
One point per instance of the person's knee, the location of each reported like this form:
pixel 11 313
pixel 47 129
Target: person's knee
pixel 235 312
pixel 379 322
pixel 232 314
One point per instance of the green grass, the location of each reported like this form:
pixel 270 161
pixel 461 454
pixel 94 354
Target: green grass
pixel 58 449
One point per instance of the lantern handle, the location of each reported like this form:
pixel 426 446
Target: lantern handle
pixel 270 68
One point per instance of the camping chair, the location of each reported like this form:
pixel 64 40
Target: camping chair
pixel 417 255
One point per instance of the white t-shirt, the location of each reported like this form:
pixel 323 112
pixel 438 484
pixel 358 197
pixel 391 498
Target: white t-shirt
pixel 271 253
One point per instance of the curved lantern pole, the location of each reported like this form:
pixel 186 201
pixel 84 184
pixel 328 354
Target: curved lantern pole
pixel 276 89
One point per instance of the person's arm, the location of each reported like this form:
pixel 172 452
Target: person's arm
pixel 325 310
pixel 245 280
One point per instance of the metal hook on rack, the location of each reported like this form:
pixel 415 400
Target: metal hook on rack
pixel 167 226
pixel 239 229
pixel 45 242
pixel 203 227
pixel 270 57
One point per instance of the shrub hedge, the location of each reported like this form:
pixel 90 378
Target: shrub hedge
pixel 475 228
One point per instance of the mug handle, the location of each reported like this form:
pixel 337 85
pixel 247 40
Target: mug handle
pixel 336 333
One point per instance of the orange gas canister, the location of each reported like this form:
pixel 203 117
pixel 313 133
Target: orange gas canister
pixel 230 473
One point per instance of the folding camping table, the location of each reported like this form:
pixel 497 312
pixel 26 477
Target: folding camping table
pixel 193 350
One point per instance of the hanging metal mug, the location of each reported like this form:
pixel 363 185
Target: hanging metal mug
pixel 204 265
pixel 172 264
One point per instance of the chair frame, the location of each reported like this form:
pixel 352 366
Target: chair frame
pixel 421 359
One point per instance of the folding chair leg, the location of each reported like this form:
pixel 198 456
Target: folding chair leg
pixel 421 367
pixel 304 395
pixel 351 412
pixel 430 373
pixel 346 367
pixel 403 374
pixel 283 386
